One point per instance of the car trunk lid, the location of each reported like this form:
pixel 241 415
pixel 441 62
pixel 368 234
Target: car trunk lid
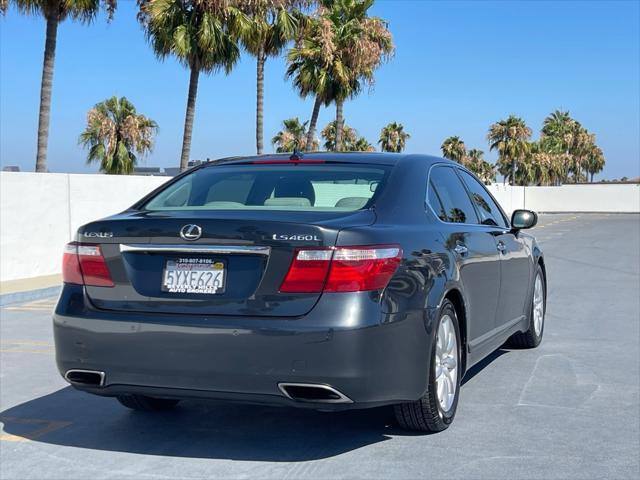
pixel 253 253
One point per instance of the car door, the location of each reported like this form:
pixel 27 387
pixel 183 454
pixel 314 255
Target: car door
pixel 515 260
pixel 473 247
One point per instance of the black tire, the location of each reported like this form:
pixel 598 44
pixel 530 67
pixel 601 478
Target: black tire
pixel 530 338
pixel 425 414
pixel 146 404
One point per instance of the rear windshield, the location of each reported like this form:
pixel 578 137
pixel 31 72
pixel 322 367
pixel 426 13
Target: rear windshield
pixel 326 187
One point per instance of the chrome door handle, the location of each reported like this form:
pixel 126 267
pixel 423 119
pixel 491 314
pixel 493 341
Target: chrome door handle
pixel 460 249
pixel 501 246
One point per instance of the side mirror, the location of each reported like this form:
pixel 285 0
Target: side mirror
pixel 521 219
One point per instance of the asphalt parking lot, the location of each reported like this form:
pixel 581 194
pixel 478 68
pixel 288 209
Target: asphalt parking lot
pixel 569 409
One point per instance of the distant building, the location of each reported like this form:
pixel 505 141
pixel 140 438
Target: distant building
pixel 148 171
pixel 11 168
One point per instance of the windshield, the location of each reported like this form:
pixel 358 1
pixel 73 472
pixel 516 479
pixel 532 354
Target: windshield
pixel 326 187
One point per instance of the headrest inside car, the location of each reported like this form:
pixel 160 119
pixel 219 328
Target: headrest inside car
pixel 287 202
pixel 292 187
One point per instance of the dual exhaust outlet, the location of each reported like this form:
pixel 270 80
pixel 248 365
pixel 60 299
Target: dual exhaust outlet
pixel 302 392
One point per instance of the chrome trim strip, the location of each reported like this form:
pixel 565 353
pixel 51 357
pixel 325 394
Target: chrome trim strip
pixel 343 398
pixel 78 370
pixel 214 249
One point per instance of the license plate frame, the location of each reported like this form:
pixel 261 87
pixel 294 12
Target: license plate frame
pixel 182 281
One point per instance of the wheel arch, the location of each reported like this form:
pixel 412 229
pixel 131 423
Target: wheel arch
pixel 540 261
pixel 455 297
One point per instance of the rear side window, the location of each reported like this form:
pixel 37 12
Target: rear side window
pixel 326 187
pixel 455 204
pixel 489 212
pixel 436 204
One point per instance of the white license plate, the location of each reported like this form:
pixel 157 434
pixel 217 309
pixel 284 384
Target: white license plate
pixel 194 275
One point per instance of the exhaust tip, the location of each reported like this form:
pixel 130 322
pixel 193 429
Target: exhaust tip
pixel 311 392
pixel 93 378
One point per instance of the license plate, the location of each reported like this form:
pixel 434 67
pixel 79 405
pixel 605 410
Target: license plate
pixel 194 275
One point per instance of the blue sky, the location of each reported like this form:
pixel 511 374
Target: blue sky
pixel 459 66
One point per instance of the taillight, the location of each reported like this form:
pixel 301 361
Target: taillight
pixel 308 271
pixel 342 269
pixel 357 269
pixel 84 264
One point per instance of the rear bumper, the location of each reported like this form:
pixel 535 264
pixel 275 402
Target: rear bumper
pixel 370 357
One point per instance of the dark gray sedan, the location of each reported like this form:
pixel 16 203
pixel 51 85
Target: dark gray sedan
pixel 326 281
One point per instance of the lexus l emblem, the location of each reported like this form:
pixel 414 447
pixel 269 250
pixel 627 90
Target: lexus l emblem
pixel 191 232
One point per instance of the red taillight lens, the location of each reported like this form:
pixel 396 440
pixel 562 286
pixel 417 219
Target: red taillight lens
pixel 84 264
pixel 358 269
pixel 343 269
pixel 308 271
pixel 71 265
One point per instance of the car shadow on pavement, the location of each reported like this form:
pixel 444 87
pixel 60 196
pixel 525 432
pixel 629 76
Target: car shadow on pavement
pixel 202 429
pixel 482 364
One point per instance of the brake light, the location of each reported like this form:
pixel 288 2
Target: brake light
pixel 358 269
pixel 269 161
pixel 308 271
pixel 85 265
pixel 342 269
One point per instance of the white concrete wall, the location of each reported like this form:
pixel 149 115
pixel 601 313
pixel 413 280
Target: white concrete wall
pixel 620 198
pixel 584 198
pixel 39 213
pixel 510 198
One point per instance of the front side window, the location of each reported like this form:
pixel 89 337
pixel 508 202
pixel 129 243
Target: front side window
pixel 273 187
pixel 489 212
pixel 452 195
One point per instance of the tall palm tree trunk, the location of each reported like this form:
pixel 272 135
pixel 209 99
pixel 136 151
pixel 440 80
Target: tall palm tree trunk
pixel 513 171
pixel 339 124
pixel 188 118
pixel 260 102
pixel 45 91
pixel 312 123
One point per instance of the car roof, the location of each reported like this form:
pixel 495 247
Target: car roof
pixel 376 158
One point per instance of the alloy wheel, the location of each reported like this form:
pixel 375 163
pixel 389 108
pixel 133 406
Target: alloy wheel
pixel 538 306
pixel 446 358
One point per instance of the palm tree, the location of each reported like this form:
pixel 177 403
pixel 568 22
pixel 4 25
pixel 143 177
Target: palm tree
pixel 202 34
pixel 363 145
pixel 293 136
pixel 594 161
pixel 338 53
pixel 115 133
pixel 273 24
pixel 454 149
pixel 393 138
pixel 536 167
pixel 54 12
pixel 558 137
pixel 359 46
pixel 350 137
pixel 511 138
pixel 474 161
pixel 583 143
pixel 309 71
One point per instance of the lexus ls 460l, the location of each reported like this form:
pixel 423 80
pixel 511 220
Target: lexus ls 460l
pixel 327 281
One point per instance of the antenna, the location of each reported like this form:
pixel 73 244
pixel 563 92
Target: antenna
pixel 296 155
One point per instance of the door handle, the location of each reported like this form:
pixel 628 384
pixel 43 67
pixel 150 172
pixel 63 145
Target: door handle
pixel 460 249
pixel 501 246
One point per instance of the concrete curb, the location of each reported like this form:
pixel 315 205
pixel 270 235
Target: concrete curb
pixel 29 295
